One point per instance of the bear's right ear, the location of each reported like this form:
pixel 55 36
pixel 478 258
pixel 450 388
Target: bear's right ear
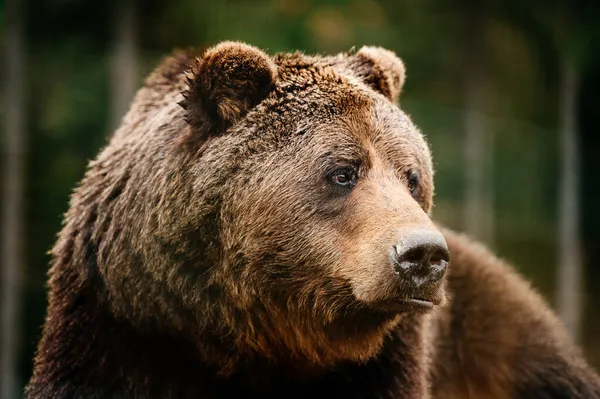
pixel 224 84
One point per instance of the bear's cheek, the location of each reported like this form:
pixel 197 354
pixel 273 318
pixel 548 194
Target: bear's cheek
pixel 367 266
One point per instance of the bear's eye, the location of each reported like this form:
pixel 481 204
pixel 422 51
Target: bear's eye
pixel 346 177
pixel 414 181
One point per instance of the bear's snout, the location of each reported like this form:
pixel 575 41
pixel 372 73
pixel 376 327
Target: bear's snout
pixel 421 256
pixel 420 259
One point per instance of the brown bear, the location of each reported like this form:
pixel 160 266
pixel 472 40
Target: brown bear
pixel 260 227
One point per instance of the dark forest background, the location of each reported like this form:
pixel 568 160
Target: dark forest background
pixel 506 92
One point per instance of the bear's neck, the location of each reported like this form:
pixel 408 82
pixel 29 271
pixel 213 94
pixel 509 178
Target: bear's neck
pixel 86 352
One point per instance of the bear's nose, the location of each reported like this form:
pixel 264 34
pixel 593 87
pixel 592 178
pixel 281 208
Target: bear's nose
pixel 421 257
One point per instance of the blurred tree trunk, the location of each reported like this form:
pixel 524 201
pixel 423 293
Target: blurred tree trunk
pixel 569 271
pixel 13 184
pixel 124 68
pixel 478 209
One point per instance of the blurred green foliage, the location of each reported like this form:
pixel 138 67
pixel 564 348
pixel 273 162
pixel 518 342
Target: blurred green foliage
pixel 69 47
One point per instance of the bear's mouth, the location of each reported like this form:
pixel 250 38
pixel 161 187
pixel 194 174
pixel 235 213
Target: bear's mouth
pixel 415 304
pixel 419 302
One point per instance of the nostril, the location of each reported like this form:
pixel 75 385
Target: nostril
pixel 439 257
pixel 413 255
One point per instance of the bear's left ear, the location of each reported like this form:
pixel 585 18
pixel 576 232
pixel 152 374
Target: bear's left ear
pixel 224 84
pixel 379 68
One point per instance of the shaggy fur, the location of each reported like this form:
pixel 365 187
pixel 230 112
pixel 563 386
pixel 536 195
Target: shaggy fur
pixel 496 338
pixel 207 254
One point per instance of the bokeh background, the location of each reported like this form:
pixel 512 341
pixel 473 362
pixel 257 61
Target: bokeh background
pixel 505 92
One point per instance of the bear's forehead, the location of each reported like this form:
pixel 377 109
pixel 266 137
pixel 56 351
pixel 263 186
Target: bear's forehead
pixel 311 91
pixel 298 74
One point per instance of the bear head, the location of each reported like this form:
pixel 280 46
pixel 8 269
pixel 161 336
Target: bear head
pixel 262 207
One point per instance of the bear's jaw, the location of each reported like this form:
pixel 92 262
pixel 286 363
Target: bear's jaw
pixel 300 346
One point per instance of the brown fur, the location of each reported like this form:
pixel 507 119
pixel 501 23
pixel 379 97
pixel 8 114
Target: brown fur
pixel 205 252
pixel 497 338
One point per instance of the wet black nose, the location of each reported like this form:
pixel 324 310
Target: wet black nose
pixel 421 257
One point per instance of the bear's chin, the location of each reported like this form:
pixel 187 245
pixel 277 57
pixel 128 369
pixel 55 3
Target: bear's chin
pixel 307 348
pixel 361 335
pixel 355 339
pixel 359 343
